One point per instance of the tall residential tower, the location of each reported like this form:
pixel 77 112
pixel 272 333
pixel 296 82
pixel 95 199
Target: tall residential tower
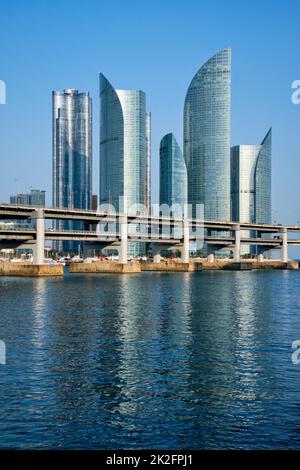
pixel 173 175
pixel 207 137
pixel 251 183
pixel 36 197
pixel 72 156
pixel 124 149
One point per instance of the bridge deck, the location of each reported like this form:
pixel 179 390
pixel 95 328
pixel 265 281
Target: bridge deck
pixel 94 236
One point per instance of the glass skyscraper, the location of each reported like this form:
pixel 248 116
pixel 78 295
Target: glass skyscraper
pixel 124 149
pixel 148 169
pixel 262 205
pixel 251 184
pixel 173 174
pixel 36 197
pixel 72 156
pixel 207 137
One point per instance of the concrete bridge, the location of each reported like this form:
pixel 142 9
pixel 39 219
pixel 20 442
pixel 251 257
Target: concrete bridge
pixel 184 231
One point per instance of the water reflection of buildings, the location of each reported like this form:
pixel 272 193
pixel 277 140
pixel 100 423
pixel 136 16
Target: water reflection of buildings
pixel 245 344
pixel 154 358
pixel 229 368
pixel 253 322
pixel 39 313
pixel 154 366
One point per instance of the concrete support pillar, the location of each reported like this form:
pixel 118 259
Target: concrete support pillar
pixel 237 244
pixel 284 249
pixel 185 253
pixel 123 239
pixel 260 258
pixel 211 258
pixel 39 250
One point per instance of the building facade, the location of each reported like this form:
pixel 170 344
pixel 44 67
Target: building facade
pixel 35 197
pixel 251 184
pixel 207 137
pixel 148 168
pixel 72 156
pixel 173 174
pixel 125 149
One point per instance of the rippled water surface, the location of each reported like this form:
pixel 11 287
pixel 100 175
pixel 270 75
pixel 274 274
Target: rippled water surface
pixel 178 360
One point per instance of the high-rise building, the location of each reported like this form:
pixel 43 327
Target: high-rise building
pixel 207 137
pixel 124 149
pixel 173 174
pixel 72 156
pixel 251 184
pixel 35 197
pixel 148 169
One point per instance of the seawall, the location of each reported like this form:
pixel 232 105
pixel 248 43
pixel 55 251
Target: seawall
pixel 30 270
pixel 174 267
pixel 105 267
pixel 247 264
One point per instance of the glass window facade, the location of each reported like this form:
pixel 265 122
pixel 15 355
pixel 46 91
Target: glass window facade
pixel 243 164
pixel 133 105
pixel 111 145
pixel 263 207
pixel 72 156
pixel 251 184
pixel 207 137
pixel 148 170
pixel 173 174
pixel 35 198
pixel 125 149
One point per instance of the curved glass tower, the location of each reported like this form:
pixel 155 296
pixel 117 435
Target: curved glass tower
pixel 173 175
pixel 111 145
pixel 207 137
pixel 251 184
pixel 124 149
pixel 72 156
pixel 148 168
pixel 263 205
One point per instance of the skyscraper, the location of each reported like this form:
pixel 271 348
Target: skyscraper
pixel 124 149
pixel 34 198
pixel 207 137
pixel 251 183
pixel 72 156
pixel 263 173
pixel 173 174
pixel 148 169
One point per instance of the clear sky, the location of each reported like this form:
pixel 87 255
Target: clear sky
pixel 156 46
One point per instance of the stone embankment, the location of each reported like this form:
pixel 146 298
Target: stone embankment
pixel 30 270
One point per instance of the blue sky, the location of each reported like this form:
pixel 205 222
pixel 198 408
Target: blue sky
pixel 156 46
